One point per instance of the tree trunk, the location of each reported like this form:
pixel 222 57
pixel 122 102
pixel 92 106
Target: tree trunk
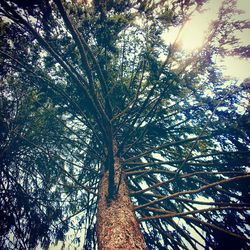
pixel 117 226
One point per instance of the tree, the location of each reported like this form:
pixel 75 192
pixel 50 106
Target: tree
pixel 113 136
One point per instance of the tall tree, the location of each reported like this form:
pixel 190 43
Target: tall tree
pixel 111 136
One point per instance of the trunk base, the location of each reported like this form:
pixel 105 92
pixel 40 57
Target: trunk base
pixel 117 226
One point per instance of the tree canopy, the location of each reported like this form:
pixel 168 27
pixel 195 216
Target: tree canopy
pixel 83 81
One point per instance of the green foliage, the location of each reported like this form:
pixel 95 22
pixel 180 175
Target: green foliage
pixel 78 77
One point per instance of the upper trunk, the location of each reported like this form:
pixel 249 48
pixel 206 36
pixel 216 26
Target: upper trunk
pixel 117 227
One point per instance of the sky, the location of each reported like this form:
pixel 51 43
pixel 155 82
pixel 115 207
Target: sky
pixel 196 28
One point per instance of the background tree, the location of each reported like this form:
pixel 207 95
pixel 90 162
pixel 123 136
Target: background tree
pixel 96 108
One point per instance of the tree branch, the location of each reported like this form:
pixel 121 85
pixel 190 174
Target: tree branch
pixel 194 191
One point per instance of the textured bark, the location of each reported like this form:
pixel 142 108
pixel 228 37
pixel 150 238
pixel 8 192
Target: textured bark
pixel 117 226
